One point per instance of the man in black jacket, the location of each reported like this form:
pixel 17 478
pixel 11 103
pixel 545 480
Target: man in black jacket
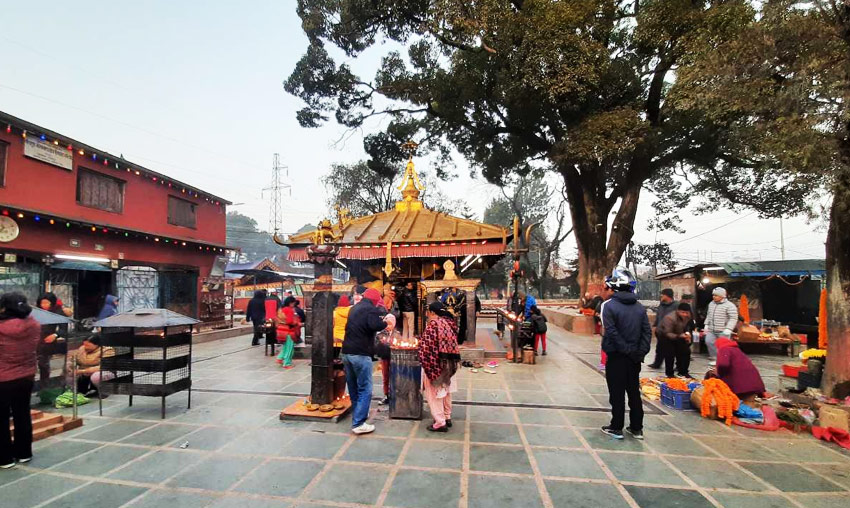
pixel 364 320
pixel 626 341
pixel 407 304
pixel 255 313
pixel 667 306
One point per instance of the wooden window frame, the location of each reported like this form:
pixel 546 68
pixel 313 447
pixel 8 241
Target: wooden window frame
pixel 122 184
pixel 175 221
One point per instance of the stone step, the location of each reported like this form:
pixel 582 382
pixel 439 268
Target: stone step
pixel 49 424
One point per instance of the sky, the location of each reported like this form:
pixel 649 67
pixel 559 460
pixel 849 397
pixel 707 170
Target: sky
pixel 194 90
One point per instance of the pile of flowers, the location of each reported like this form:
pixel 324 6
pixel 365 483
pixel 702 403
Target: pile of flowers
pixel 813 353
pixel 677 384
pixel 727 402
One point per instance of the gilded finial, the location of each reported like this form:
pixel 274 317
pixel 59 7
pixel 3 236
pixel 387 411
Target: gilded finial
pixel 410 186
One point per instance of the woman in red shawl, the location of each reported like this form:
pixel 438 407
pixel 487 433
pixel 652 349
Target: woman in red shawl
pixel 288 328
pixel 439 357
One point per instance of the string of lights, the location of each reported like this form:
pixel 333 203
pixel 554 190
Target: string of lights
pixel 118 164
pixel 106 230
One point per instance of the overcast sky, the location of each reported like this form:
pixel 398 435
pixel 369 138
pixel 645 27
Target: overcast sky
pixel 194 90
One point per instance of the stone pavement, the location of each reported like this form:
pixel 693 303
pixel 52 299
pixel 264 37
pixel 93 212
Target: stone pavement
pixel 527 436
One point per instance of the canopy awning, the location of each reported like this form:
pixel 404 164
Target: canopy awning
pixel 89 266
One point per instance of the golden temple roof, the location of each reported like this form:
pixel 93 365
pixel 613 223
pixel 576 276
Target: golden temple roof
pixel 409 223
pixel 409 226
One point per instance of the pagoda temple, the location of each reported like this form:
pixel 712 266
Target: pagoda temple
pixel 411 243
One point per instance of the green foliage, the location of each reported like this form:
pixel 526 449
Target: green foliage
pixel 243 232
pixel 653 255
pixel 586 88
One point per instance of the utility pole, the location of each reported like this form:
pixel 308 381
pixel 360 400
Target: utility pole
pixel 782 238
pixel 275 208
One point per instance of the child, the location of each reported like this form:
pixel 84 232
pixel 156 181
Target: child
pixel 538 323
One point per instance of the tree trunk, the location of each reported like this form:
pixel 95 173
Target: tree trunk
pixel 598 253
pixel 836 379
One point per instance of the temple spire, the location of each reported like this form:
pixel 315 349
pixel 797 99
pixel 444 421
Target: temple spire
pixel 410 186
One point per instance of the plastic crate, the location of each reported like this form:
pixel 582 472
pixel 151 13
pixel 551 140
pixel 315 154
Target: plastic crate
pixel 677 399
pixel 792 369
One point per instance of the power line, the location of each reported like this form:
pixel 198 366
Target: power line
pixel 713 230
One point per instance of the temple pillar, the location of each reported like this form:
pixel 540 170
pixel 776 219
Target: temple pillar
pixel 322 305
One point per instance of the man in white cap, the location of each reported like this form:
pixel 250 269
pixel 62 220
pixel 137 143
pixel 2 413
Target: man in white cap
pixel 720 320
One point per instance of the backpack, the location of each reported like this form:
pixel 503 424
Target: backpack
pixel 539 323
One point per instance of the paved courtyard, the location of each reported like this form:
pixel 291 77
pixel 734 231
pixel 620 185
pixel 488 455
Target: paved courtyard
pixel 526 436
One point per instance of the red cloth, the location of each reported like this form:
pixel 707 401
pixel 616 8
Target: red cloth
pixel 723 342
pixel 837 436
pixel 344 301
pixel 736 370
pixel 271 308
pixel 288 324
pixel 19 339
pixel 438 340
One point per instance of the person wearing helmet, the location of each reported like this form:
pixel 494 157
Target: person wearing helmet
pixel 625 341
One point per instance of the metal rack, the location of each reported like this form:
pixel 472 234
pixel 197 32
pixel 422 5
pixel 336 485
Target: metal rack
pixel 152 355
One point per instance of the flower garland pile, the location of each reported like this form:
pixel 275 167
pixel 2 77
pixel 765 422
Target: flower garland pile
pixel 813 353
pixel 727 402
pixel 677 384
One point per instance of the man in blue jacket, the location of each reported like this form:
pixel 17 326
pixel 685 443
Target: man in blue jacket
pixel 626 340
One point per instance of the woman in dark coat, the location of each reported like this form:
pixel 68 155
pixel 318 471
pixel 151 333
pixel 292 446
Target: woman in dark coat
pixel 736 370
pixel 20 335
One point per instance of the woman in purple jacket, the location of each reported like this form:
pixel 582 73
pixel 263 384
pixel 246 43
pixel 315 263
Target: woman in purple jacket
pixel 737 370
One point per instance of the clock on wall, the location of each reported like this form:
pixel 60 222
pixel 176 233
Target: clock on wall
pixel 9 229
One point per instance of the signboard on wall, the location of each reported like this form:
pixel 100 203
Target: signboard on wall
pixel 48 152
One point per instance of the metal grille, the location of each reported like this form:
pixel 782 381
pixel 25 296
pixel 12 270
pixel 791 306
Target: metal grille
pixel 179 292
pixel 21 277
pixel 138 288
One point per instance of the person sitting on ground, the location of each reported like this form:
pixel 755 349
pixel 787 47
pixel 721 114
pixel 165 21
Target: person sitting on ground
pixel 383 343
pixel 341 311
pixel 675 340
pixel 439 357
pixel 87 361
pixel 538 324
pixel 737 370
pixel 288 329
pixel 20 335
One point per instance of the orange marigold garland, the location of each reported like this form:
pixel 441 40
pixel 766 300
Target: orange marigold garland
pixel 727 402
pixel 676 384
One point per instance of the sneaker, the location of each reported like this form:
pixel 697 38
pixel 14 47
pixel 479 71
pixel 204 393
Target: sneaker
pixel 10 465
pixel 616 434
pixel 712 363
pixel 24 461
pixel 637 434
pixel 287 367
pixel 365 428
pixel 278 360
pixel 449 422
pixel 384 402
pixel 684 377
pixel 444 428
pixel 601 367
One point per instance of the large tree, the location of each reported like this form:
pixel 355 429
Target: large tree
pixel 533 201
pixel 778 81
pixel 576 87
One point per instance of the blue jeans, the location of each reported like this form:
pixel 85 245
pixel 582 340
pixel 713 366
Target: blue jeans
pixel 358 376
pixel 710 339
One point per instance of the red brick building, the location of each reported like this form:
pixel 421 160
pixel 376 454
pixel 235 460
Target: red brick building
pixel 85 223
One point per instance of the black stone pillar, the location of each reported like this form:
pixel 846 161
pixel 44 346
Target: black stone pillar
pixel 471 318
pixel 323 303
